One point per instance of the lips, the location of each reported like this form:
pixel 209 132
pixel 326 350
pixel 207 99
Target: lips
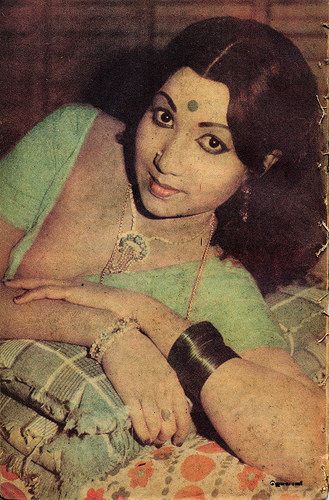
pixel 161 190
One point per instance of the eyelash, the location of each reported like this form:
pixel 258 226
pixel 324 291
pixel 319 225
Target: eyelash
pixel 159 123
pixel 212 151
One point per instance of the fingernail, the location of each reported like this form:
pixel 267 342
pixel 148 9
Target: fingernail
pixel 177 442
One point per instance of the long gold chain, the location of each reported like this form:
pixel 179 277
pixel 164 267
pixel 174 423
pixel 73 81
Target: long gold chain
pixel 106 269
pixel 129 256
pixel 201 268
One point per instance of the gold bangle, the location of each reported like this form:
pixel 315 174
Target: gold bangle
pixel 106 339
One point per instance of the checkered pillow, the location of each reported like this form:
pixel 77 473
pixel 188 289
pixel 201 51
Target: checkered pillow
pixel 54 463
pixel 299 311
pixel 59 381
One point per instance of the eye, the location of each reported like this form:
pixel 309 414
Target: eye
pixel 211 144
pixel 162 117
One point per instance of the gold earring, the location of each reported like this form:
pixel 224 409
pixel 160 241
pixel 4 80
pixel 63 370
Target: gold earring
pixel 244 210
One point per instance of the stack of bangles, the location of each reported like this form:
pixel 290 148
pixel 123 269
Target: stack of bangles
pixel 194 356
pixel 107 338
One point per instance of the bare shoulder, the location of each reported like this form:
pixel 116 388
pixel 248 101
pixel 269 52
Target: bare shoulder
pixel 102 148
pixel 107 128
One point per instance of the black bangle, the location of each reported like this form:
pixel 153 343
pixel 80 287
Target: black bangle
pixel 196 354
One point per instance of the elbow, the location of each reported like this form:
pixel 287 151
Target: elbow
pixel 309 457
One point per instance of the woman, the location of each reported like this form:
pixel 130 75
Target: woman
pixel 224 163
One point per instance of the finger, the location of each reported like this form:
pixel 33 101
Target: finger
pixel 168 419
pixel 43 292
pixel 182 414
pixel 152 417
pixel 78 295
pixel 30 283
pixel 76 292
pixel 168 426
pixel 138 420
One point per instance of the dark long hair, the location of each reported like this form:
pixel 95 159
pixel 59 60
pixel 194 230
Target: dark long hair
pixel 272 106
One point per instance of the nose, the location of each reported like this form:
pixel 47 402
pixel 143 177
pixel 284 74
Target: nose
pixel 168 160
pixel 157 158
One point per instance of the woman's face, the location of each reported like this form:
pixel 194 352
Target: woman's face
pixel 186 163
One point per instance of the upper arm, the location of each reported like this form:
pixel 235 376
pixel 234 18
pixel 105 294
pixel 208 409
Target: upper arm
pixel 280 361
pixel 25 174
pixel 28 172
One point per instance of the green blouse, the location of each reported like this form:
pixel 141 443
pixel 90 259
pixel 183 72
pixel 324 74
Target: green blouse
pixel 32 176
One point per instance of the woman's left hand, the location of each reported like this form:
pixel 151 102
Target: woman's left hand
pixel 120 301
pixel 158 407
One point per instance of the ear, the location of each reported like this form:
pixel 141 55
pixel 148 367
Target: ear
pixel 271 159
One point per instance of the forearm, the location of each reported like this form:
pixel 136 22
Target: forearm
pixel 268 417
pixel 158 322
pixel 53 320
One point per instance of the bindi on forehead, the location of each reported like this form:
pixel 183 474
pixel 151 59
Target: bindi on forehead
pixel 192 105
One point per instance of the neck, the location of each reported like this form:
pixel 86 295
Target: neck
pixel 176 228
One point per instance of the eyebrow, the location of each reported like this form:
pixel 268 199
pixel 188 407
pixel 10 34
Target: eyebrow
pixel 169 100
pixel 201 124
pixel 213 124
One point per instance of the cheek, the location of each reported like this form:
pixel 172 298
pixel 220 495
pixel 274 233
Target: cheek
pixel 222 183
pixel 146 140
pixel 140 141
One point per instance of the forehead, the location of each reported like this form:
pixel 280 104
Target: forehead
pixel 186 85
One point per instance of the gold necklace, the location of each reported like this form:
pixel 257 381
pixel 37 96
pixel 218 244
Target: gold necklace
pixel 157 238
pixel 133 246
pixel 201 268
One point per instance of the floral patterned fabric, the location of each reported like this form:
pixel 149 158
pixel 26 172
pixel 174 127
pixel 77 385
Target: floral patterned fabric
pixel 199 470
pixel 11 486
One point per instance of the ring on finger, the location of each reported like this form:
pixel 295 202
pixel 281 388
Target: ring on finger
pixel 165 415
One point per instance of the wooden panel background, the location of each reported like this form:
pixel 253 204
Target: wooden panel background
pixel 50 48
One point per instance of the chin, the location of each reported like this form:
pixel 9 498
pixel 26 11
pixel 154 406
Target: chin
pixel 158 208
pixel 155 198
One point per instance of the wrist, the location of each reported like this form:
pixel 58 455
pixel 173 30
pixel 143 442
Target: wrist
pixel 121 344
pixel 119 328
pixel 161 324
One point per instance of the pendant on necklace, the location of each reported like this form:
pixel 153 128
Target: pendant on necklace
pixel 130 247
pixel 133 244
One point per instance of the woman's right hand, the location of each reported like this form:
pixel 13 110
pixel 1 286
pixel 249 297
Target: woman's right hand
pixel 149 387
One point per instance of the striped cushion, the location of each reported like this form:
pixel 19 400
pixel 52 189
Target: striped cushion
pixel 59 381
pixel 28 439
